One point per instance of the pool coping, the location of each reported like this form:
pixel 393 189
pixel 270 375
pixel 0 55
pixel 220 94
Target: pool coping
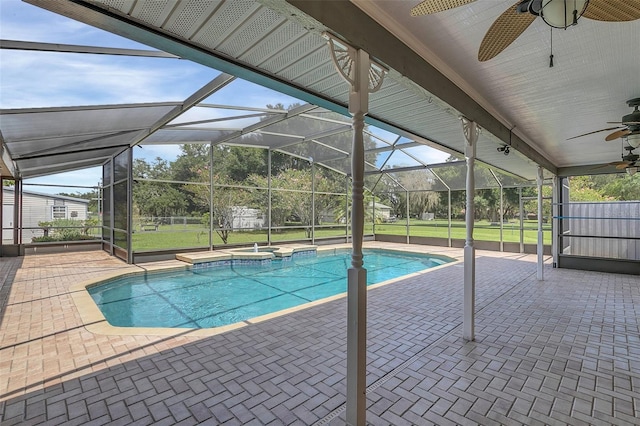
pixel 94 321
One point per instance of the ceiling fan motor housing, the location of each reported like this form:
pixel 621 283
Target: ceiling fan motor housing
pixel 632 118
pixel 530 6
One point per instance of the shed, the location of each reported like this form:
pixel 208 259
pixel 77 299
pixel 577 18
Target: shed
pixel 383 211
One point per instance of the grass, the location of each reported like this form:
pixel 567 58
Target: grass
pixel 183 236
pixel 187 236
pixel 482 230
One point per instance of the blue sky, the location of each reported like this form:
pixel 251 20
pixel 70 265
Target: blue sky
pixel 48 79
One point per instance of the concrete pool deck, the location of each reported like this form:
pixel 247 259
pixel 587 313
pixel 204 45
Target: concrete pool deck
pixel 562 351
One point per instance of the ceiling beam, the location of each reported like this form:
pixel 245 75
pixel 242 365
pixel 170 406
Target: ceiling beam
pixel 74 48
pixel 592 169
pixel 208 89
pixel 361 31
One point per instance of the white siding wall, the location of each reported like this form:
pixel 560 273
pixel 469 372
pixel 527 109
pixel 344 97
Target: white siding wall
pixel 39 208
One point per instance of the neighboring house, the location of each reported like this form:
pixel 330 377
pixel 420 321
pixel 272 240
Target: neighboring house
pixel 245 218
pixel 39 207
pixel 427 216
pixel 382 212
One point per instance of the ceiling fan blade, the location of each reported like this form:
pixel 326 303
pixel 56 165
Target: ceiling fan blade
pixel 621 164
pixel 427 7
pixel 503 32
pixel 613 10
pixel 617 134
pixel 596 131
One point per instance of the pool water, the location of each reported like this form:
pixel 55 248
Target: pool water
pixel 216 296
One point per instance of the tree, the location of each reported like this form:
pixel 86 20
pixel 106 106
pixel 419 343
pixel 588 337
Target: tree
pixel 192 157
pixel 583 188
pixel 229 200
pixel 279 209
pixel 624 187
pixel 184 168
pixel 300 204
pixel 156 199
pixel 422 198
pixel 92 196
pixel 239 162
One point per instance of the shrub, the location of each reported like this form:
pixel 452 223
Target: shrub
pixel 44 239
pixel 65 230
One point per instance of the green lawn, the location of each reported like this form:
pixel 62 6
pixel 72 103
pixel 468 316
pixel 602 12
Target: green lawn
pixel 482 231
pixel 177 236
pixel 183 236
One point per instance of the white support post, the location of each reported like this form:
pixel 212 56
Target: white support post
pixel 269 195
pixel 211 197
pixel 521 216
pixel 407 213
pixel 112 207
pixel 373 214
pixel 17 213
pixel 347 216
pixel 364 76
pixel 554 222
pixel 449 244
pixel 357 275
pixel 540 248
pixel 501 215
pixel 471 131
pixel 313 202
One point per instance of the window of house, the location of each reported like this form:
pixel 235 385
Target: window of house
pixel 59 212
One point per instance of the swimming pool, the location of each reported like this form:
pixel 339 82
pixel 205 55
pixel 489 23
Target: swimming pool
pixel 222 295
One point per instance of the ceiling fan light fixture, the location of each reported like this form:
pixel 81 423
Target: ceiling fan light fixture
pixel 632 170
pixel 634 140
pixel 562 13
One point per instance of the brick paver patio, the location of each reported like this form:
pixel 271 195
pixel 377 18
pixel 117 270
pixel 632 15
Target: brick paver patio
pixel 562 351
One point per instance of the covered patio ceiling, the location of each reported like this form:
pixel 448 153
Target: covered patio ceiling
pixel 434 78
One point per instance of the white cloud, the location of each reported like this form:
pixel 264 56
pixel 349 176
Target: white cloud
pixel 151 152
pixel 79 178
pixel 36 79
pixel 22 21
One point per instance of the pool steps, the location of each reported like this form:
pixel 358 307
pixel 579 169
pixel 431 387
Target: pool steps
pixel 241 254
